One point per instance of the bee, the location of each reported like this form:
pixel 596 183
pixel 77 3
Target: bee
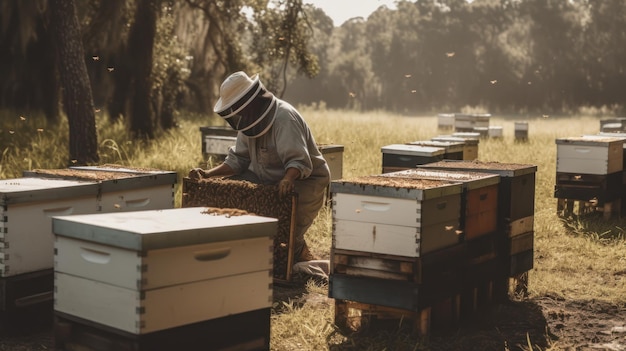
pixel 95 58
pixel 22 118
pixel 450 54
pixel 493 81
pixel 110 69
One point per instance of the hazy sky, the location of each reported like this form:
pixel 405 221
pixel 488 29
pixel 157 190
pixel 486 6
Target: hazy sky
pixel 342 10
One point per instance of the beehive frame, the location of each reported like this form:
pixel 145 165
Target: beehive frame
pixel 258 199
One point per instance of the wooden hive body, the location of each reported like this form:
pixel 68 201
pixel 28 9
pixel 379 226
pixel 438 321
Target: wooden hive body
pixel 146 271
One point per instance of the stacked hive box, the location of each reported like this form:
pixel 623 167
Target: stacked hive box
pixel 174 279
pixel 471 122
pixel 395 246
pixel 470 145
pixel 398 157
pixel 477 229
pixel 516 208
pixel 613 125
pixel 445 121
pixel 26 250
pixel 452 150
pixel 262 200
pixel 589 174
pixel 521 131
pixel 27 205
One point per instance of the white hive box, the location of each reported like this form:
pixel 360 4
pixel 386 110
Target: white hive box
pixel 453 150
pixel 121 188
pixel 402 156
pixel 445 120
pixel 470 148
pixel 146 271
pixel 333 154
pixel 26 207
pixel 218 145
pixel 590 154
pixel 403 217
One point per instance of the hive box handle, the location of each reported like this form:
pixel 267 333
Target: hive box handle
pixel 212 255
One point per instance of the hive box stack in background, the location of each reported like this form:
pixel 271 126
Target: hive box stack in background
pixel 471 122
pixel 521 131
pixel 477 230
pixel 394 245
pixel 397 157
pixel 516 209
pixel 333 154
pixel 589 170
pixel 29 203
pixel 215 142
pixel 174 279
pixel 445 121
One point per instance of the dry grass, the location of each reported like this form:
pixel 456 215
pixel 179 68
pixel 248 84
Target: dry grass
pixel 568 255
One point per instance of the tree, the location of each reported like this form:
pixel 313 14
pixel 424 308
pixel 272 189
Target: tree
pixel 77 97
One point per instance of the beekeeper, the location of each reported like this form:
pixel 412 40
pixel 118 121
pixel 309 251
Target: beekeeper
pixel 274 146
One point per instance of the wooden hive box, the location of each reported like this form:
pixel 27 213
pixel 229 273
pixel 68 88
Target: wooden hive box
pixel 516 202
pixel 453 150
pixel 470 146
pixel 403 156
pixel 143 272
pixel 521 131
pixel 26 205
pixel 469 122
pixel 479 198
pixel 395 216
pixel 214 139
pixel 258 199
pixel 333 154
pixel 217 146
pixel 121 188
pixel 27 243
pixel 590 154
pixel 445 120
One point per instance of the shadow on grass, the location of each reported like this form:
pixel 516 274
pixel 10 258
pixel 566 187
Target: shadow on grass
pixel 512 325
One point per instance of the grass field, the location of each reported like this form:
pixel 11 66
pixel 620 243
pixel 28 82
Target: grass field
pixel 568 254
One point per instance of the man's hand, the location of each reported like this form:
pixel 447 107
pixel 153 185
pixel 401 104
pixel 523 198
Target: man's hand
pixel 285 187
pixel 197 174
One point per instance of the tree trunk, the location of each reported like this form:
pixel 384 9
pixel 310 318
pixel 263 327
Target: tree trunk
pixel 77 97
pixel 140 46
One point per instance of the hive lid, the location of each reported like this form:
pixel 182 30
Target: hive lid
pixel 591 140
pixel 502 169
pixel 470 179
pixel 466 141
pixel 412 150
pixel 326 148
pixel 449 146
pixel 110 177
pixel 157 229
pixel 396 187
pixel 32 189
